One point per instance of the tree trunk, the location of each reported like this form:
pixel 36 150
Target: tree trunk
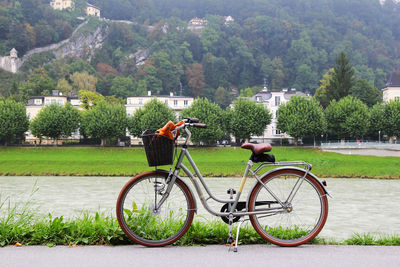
pixel 103 142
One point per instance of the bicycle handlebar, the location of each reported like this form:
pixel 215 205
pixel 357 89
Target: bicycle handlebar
pixel 198 125
pixel 191 120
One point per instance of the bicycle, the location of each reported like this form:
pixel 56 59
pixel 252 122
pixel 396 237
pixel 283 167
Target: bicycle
pixel 287 205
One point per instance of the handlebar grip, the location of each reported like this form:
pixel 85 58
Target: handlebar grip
pixel 199 125
pixel 191 120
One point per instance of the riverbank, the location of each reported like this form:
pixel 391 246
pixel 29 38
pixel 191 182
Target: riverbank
pixel 27 230
pixel 229 161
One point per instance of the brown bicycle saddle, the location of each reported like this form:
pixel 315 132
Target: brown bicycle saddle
pixel 257 148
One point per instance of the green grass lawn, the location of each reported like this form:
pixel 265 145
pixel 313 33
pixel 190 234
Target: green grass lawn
pixel 83 161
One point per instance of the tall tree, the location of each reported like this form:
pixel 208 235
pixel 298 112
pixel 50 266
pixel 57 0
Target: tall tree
pixel 377 125
pixel 248 118
pixel 210 114
pixel 347 118
pixel 392 119
pixel 321 93
pixel 54 121
pixel 342 78
pixel 301 117
pixel 89 99
pixel 105 121
pixel 154 115
pixel 13 121
pixel 366 93
pixel 222 97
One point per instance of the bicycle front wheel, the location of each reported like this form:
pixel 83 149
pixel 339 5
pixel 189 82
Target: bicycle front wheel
pixel 301 219
pixel 142 222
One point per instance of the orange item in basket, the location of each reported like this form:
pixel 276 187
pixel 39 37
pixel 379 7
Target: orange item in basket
pixel 166 130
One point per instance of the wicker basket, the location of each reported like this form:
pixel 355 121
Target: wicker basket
pixel 159 149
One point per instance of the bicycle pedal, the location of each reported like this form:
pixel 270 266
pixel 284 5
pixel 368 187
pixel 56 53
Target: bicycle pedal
pixel 231 244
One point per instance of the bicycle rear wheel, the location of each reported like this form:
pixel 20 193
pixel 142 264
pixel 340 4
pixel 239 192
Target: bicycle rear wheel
pixel 303 218
pixel 140 221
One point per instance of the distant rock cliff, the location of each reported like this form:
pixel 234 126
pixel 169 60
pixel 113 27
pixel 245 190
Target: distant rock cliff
pixel 82 46
pixel 78 45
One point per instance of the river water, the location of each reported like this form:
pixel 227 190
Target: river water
pixel 356 206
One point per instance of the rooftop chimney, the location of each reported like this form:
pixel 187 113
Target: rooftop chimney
pixel 171 94
pixel 148 93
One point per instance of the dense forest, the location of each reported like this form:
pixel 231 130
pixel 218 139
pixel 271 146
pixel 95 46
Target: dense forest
pixel 284 44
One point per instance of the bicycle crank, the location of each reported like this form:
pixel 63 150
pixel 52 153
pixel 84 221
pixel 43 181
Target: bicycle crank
pixel 225 208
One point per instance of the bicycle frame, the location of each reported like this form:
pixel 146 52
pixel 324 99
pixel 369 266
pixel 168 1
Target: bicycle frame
pixel 179 165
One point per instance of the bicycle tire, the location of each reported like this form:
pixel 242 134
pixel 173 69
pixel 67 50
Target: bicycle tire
pixel 300 223
pixel 139 221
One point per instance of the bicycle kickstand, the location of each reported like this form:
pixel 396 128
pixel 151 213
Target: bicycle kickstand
pixel 235 248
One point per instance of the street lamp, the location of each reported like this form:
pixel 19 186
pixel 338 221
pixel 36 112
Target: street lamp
pixel 379 136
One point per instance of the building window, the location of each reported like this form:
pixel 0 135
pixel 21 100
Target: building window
pixel 185 103
pixel 140 101
pixel 166 102
pixel 47 101
pixel 129 101
pixel 277 100
pixel 397 98
pixel 258 98
pixel 60 102
pixel 175 103
pixel 38 101
pixel 277 132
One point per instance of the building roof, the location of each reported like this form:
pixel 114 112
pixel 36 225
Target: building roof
pixel 267 95
pixel 289 94
pixel 394 80
pixel 87 4
pixel 164 96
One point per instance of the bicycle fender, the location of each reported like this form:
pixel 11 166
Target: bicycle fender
pixel 190 189
pixel 287 168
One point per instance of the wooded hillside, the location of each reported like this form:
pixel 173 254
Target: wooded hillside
pixel 288 43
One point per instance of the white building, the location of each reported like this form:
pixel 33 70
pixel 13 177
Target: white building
pixel 61 4
pixel 272 100
pixel 197 21
pixel 37 103
pixel 176 103
pixel 392 89
pixel 92 10
pixel 228 20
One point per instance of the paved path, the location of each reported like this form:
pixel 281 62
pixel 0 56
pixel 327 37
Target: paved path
pixel 216 255
pixel 367 152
